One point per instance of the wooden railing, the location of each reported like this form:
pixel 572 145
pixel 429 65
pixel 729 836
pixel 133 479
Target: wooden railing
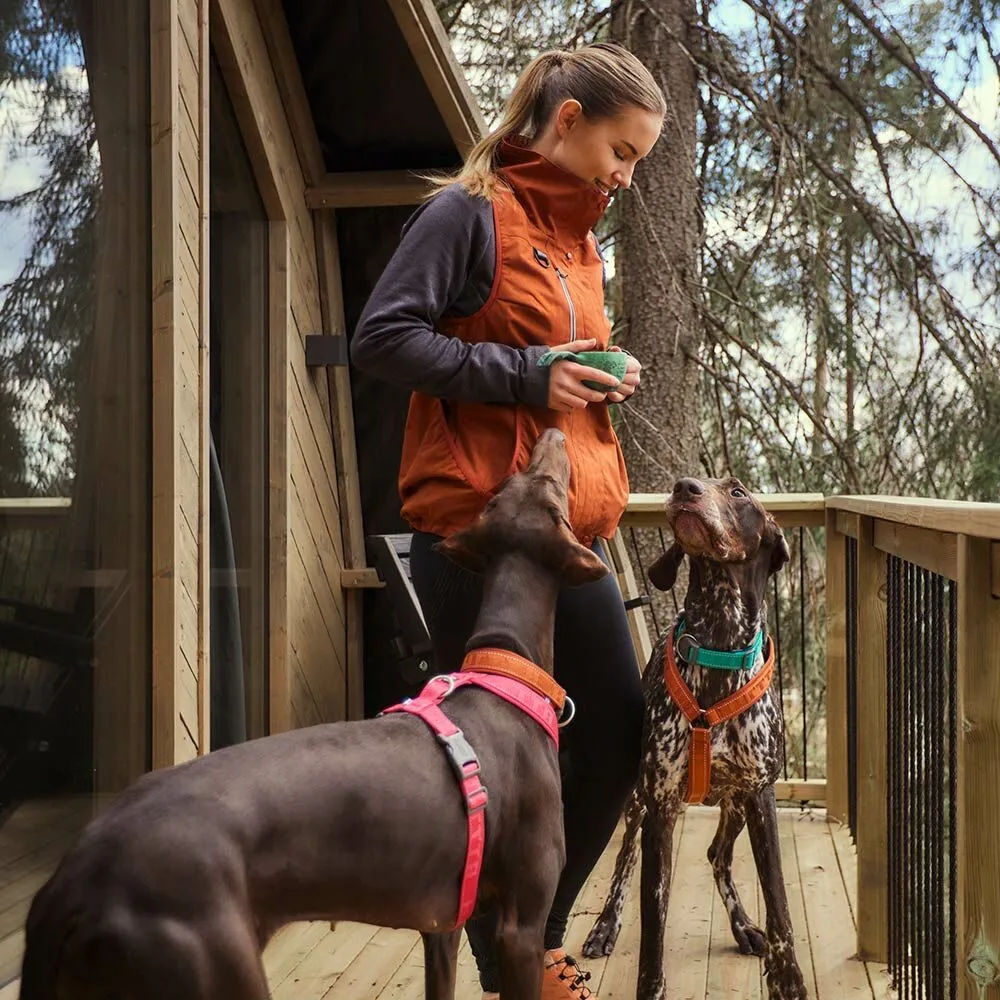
pixel 913 627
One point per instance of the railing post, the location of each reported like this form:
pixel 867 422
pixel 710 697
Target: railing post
pixel 872 839
pixel 836 671
pixel 978 806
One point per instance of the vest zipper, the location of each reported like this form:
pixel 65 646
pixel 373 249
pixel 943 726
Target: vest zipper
pixel 569 301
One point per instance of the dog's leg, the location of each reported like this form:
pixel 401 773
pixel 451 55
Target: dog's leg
pixel 602 937
pixel 784 978
pixel 749 938
pixel 654 890
pixel 521 953
pixel 440 964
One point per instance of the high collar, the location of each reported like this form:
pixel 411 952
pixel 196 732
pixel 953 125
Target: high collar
pixel 555 200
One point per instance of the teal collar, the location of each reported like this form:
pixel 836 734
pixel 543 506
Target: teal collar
pixel 692 653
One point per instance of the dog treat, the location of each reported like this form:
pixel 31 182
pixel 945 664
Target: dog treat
pixel 613 362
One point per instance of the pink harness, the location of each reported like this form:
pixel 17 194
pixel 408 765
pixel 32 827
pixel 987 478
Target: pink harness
pixel 463 758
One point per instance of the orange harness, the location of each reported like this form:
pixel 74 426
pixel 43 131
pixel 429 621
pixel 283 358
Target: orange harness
pixel 702 720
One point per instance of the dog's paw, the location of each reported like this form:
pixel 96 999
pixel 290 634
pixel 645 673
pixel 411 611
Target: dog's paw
pixel 601 940
pixel 786 983
pixel 749 939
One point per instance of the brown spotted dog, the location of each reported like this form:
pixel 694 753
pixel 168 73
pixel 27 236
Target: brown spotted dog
pixel 733 547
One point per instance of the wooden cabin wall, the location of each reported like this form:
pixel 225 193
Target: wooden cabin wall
pixel 180 379
pixel 307 631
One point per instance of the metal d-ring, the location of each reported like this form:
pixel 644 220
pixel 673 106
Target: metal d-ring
pixel 450 680
pixel 572 713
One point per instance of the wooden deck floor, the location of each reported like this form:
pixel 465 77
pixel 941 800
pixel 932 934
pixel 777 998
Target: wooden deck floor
pixel 309 962
pixel 358 962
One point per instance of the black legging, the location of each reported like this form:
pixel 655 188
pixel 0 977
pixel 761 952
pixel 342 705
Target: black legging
pixel 595 662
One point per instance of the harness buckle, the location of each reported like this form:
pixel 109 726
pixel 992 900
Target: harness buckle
pixel 460 754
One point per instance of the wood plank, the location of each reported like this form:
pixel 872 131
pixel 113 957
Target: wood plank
pixel 346 458
pixel 731 974
pixel 629 587
pixel 871 788
pixel 164 99
pixel 958 516
pixel 293 92
pixel 371 971
pixel 204 651
pixel 978 845
pixel 878 973
pixel 322 966
pixel 801 790
pixel 279 480
pixel 790 510
pixel 789 824
pixel 839 973
pixel 836 669
pixel 691 893
pixel 933 550
pixel 367 189
pixel 847 523
pixel 433 54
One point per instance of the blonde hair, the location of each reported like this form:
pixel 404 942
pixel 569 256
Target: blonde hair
pixel 605 78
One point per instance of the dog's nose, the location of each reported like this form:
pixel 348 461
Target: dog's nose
pixel 689 487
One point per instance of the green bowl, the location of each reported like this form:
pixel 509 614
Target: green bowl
pixel 613 362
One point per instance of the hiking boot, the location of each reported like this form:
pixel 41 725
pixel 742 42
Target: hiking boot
pixel 563 979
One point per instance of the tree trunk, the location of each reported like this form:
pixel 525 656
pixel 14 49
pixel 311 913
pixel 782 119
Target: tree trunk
pixel 658 274
pixel 657 257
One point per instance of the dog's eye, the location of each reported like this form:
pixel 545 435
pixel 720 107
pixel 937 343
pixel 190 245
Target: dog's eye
pixel 737 492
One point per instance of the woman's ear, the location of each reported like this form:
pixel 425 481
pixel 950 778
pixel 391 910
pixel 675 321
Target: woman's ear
pixel 663 573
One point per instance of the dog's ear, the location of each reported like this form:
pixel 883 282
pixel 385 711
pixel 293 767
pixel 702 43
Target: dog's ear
pixel 663 573
pixel 779 550
pixel 581 565
pixel 465 548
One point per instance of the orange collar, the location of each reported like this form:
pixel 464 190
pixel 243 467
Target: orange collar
pixel 702 720
pixel 501 661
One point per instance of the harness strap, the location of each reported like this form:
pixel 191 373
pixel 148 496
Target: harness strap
pixel 702 720
pixel 463 759
pixel 507 664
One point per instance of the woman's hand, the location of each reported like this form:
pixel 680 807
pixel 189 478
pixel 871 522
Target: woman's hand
pixel 629 383
pixel 566 389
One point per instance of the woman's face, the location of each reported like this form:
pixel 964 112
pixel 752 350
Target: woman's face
pixel 604 151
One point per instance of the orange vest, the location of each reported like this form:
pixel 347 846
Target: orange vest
pixel 547 288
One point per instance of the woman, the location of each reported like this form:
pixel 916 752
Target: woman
pixel 494 270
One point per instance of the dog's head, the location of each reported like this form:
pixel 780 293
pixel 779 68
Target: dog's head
pixel 720 520
pixel 530 514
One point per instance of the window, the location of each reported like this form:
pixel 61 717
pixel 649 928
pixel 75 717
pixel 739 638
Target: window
pixel 238 331
pixel 74 423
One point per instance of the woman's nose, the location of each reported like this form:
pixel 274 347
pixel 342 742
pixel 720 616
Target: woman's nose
pixel 623 177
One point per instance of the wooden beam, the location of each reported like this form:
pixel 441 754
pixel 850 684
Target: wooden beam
pixel 428 41
pixel 279 694
pixel 345 456
pixel 367 189
pixel 204 665
pixel 804 790
pixel 291 88
pixel 933 550
pixel 360 579
pixel 978 845
pixel 629 587
pixel 959 516
pixel 872 833
pixel 836 670
pixel 165 443
pixel 847 524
